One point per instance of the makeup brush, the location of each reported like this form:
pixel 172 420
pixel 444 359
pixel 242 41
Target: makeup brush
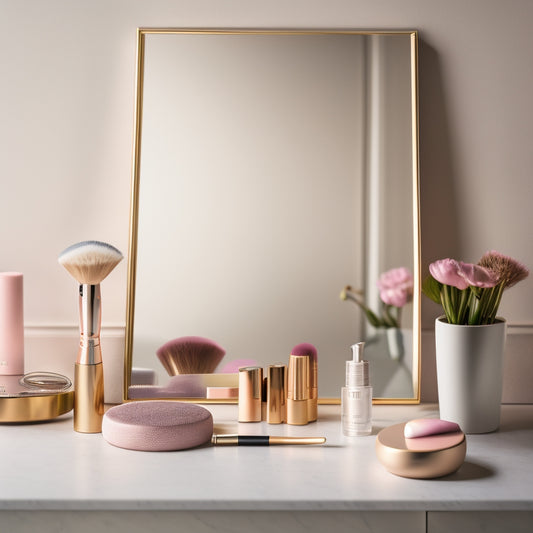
pixel 305 348
pixel 89 263
pixel 190 355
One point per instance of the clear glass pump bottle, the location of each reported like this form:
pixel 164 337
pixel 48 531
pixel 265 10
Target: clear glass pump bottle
pixel 356 396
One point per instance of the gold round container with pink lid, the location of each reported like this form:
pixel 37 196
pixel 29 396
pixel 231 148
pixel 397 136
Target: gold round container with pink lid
pixel 421 449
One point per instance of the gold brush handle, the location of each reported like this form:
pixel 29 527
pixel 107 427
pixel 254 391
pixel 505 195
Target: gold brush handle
pixel 88 398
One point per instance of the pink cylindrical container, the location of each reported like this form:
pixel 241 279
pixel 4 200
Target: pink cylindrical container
pixel 11 324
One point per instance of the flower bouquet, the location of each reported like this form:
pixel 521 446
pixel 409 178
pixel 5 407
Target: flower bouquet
pixel 470 294
pixel 395 290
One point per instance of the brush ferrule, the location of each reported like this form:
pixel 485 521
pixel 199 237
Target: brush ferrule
pixel 90 320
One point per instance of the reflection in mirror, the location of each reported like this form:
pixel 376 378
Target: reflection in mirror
pixel 273 170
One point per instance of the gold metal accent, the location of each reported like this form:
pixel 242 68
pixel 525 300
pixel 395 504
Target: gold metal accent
pixel 136 170
pixel 276 394
pixel 35 408
pixel 394 454
pixel 250 393
pixel 312 402
pixel 225 439
pixel 90 301
pixel 298 390
pixel 296 440
pixel 298 385
pixel 89 398
pixel 134 213
pixel 416 221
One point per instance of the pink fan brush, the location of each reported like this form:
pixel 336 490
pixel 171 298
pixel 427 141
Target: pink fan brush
pixel 190 355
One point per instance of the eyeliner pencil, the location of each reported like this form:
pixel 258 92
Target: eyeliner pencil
pixel 263 440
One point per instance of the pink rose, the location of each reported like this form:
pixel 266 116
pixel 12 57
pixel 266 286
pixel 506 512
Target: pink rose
pixel 462 275
pixel 396 286
pixel 478 276
pixel 447 272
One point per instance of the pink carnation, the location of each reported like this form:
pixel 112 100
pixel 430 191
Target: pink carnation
pixel 396 286
pixel 462 275
pixel 478 276
pixel 446 271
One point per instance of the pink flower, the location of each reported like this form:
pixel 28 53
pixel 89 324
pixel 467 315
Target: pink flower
pixel 447 272
pixel 478 276
pixel 462 275
pixel 396 286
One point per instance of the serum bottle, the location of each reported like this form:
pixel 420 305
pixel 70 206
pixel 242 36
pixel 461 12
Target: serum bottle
pixel 356 396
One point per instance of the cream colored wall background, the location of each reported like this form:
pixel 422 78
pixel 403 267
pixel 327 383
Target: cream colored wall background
pixel 66 108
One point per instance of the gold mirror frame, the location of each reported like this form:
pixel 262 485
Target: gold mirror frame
pixel 134 205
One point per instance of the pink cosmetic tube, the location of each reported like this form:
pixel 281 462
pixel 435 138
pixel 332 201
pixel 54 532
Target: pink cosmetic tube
pixel 11 324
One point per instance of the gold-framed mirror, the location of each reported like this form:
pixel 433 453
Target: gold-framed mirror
pixel 271 170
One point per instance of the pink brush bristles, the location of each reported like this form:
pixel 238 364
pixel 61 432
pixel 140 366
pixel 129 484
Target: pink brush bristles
pixel 190 355
pixel 305 348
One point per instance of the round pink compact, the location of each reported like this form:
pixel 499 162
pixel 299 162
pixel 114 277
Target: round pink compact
pixel 157 426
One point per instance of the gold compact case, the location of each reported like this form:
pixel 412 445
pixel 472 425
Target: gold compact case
pixel 422 457
pixel 34 397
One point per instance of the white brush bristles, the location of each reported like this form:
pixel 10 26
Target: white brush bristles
pixel 90 262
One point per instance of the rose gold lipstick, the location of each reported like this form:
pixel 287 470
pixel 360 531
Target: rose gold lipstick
pixel 250 393
pixel 306 348
pixel 276 394
pixel 298 390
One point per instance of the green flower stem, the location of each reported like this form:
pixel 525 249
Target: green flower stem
pixel 389 320
pixel 484 305
pixel 462 311
pixel 448 299
pixel 474 308
pixel 495 300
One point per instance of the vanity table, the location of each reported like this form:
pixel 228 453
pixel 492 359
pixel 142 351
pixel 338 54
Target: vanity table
pixel 54 478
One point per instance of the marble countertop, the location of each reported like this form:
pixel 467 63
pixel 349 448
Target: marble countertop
pixel 48 466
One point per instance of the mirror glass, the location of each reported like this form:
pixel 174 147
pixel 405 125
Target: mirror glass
pixel 272 170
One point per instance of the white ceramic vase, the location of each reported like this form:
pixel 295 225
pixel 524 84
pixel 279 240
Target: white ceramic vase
pixel 469 373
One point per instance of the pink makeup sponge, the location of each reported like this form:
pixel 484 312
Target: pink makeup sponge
pixel 157 426
pixel 424 427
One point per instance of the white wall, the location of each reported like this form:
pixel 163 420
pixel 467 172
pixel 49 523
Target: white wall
pixel 66 108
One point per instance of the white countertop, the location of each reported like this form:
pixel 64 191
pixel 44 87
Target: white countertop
pixel 48 466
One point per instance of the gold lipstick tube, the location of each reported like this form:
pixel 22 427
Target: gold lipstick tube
pixel 312 403
pixel 264 394
pixel 298 390
pixel 276 394
pixel 250 393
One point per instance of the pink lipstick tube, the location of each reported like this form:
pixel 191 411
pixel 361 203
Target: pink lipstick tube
pixel 11 324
